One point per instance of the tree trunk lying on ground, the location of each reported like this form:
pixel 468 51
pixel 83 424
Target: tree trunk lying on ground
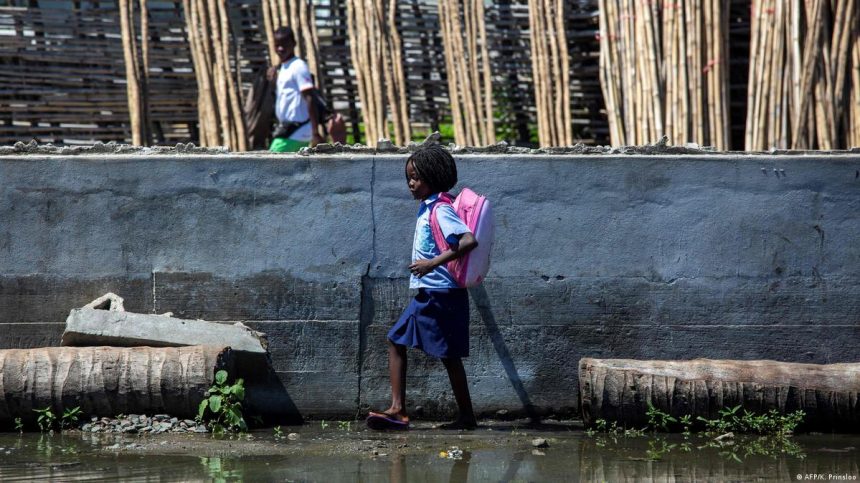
pixel 620 389
pixel 107 381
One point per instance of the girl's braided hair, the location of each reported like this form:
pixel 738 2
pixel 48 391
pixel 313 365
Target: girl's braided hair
pixel 435 166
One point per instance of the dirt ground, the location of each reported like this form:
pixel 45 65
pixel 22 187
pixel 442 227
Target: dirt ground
pixel 344 438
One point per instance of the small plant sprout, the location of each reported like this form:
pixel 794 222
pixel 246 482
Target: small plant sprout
pixel 323 424
pixel 45 419
pixel 344 425
pixel 222 407
pixel 657 419
pixel 686 423
pixel 279 434
pixel 19 425
pixel 70 417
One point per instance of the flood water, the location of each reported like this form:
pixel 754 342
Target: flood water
pixel 338 453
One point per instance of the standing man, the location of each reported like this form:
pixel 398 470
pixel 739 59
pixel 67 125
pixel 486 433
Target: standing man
pixel 298 124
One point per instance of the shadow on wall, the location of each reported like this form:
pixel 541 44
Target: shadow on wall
pixel 266 395
pixel 485 309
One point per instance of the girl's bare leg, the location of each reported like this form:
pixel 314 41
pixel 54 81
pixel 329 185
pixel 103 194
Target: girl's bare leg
pixel 397 374
pixel 460 387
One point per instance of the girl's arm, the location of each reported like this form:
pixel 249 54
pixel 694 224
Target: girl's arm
pixel 466 244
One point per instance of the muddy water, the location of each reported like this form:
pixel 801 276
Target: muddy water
pixel 501 452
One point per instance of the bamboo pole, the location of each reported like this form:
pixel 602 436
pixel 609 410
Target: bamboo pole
pixel 853 135
pixel 666 66
pixel 136 70
pixel 607 61
pixel 464 40
pixel 219 111
pixel 269 26
pixel 238 136
pixel 375 47
pixel 447 27
pixel 489 121
pixel 810 57
pixel 132 86
pixel 550 72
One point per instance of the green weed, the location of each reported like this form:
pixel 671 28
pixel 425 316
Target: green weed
pixel 222 407
pixel 46 419
pixel 658 419
pixel 70 417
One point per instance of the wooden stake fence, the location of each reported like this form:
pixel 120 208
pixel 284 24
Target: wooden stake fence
pixel 550 72
pixel 468 67
pixel 802 70
pixel 663 70
pixel 136 70
pixel 375 48
pixel 219 110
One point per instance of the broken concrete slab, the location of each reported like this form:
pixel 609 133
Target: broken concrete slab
pixel 90 327
pixel 108 301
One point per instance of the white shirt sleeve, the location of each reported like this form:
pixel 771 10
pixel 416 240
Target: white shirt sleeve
pixel 450 224
pixel 302 76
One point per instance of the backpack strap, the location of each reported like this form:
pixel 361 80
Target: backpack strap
pixel 435 229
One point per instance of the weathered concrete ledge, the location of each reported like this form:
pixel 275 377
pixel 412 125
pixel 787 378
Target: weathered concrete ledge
pixel 722 256
pixel 91 327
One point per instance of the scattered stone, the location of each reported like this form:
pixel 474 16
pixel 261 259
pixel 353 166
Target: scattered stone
pixel 293 436
pixel 502 413
pixel 538 452
pixel 160 423
pixel 323 148
pixel 453 453
pixel 385 146
pixel 540 443
pixel 728 435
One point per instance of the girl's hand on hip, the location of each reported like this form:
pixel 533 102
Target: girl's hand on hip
pixel 422 267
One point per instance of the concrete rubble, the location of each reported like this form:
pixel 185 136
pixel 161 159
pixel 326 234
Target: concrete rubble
pixel 90 326
pixel 141 423
pixel 109 301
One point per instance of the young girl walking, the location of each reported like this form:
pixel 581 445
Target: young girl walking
pixel 437 319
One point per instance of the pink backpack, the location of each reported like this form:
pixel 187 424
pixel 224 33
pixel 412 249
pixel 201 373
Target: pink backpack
pixel 477 213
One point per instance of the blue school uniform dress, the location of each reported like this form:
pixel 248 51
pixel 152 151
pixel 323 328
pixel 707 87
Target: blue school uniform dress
pixel 437 319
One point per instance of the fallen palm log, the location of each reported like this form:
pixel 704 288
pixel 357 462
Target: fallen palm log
pixel 107 380
pixel 621 389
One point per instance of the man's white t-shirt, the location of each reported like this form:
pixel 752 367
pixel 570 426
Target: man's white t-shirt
pixel 290 106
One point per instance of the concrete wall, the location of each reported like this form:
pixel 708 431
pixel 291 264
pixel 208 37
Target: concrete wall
pixel 669 257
